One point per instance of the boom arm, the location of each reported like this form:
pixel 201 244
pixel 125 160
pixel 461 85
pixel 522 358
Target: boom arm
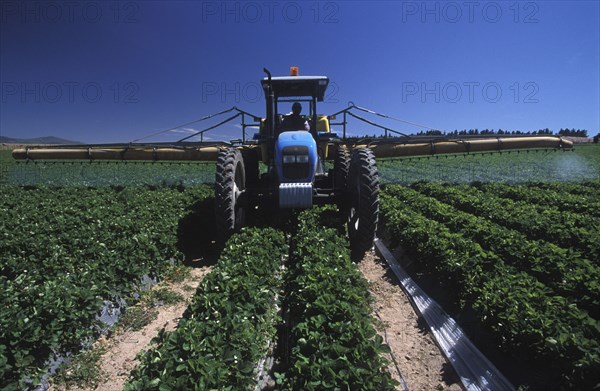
pixel 124 152
pixel 400 149
pixel 384 148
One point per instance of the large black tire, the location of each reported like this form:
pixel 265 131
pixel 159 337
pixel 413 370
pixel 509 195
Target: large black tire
pixel 230 186
pixel 341 167
pixel 363 193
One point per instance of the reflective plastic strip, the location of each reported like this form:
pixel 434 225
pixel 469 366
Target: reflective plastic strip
pixel 476 372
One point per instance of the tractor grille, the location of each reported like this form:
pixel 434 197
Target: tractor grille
pixel 296 170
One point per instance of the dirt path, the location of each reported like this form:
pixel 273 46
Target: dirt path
pixel 123 347
pixel 419 360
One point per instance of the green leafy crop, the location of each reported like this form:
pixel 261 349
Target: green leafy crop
pixel 334 343
pixel 532 295
pixel 65 252
pixel 227 328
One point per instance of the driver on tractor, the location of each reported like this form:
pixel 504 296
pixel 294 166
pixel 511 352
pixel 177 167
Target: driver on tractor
pixel 295 121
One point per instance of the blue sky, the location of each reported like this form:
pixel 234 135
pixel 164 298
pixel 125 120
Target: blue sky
pixel 105 71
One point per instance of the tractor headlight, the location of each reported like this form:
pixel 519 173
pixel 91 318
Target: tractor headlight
pixel 289 159
pixel 301 158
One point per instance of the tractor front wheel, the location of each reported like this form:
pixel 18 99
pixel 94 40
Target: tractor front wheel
pixel 230 187
pixel 341 165
pixel 251 167
pixel 363 197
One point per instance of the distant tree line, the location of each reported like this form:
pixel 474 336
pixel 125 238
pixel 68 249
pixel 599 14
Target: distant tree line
pixel 573 132
pixel 471 132
pixel 489 132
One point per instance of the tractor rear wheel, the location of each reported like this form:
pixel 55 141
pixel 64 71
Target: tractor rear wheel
pixel 363 197
pixel 230 187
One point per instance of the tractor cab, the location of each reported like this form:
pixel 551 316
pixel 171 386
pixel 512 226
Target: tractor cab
pixel 306 90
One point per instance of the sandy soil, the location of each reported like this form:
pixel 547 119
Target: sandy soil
pixel 419 360
pixel 123 347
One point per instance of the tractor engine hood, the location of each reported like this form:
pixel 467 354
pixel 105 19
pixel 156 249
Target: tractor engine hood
pixel 295 157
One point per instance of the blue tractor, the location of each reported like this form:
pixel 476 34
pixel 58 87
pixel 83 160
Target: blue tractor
pixel 294 148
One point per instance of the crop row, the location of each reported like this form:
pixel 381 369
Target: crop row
pixel 334 343
pixel 104 173
pixel 519 310
pixel 228 326
pixel 563 270
pixel 570 230
pixel 64 253
pixel 571 202
pixel 590 189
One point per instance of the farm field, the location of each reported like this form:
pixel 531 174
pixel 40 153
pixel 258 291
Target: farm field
pixel 191 201
pixel 68 253
pixel 233 317
pixel 520 259
pixel 82 173
pixel 582 164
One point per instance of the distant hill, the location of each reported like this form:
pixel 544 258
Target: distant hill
pixel 37 140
